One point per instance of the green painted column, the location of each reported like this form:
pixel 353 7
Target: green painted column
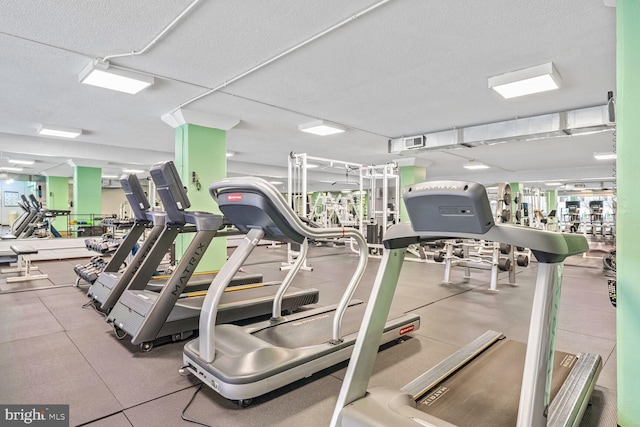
pixel 552 200
pixel 516 187
pixel 409 175
pixel 87 192
pixel 202 150
pixel 58 197
pixel 628 233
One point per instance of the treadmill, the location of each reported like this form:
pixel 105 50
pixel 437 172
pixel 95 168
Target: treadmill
pixel 242 362
pixel 111 283
pixel 23 221
pixel 174 312
pixel 491 381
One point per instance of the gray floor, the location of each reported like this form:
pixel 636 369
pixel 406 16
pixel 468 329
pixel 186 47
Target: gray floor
pixel 53 351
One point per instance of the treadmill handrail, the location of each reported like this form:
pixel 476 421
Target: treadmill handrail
pixel 261 186
pixel 547 246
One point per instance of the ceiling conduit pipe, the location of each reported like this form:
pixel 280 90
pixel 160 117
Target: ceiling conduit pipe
pixel 282 54
pixel 156 38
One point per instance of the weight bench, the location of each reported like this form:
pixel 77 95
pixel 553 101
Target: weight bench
pixel 24 253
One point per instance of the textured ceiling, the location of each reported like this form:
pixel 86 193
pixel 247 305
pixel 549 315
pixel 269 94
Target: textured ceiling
pixel 407 67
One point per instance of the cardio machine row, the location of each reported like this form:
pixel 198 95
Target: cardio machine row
pixel 242 362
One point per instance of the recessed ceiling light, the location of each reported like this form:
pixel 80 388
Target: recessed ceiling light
pixel 59 131
pixel 605 156
pixel 475 165
pixel 322 128
pixel 132 171
pixel 231 153
pixel 99 73
pixel 345 191
pixel 21 162
pixel 110 176
pixel 553 183
pixel 276 182
pixel 540 78
pixel 10 169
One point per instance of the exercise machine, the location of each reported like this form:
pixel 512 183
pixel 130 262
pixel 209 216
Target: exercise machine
pixel 242 362
pixel 111 282
pixel 477 385
pixel 174 311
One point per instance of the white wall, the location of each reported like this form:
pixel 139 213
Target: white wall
pixel 112 199
pixel 17 186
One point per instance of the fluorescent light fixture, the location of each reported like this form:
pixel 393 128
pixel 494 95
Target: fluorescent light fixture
pixel 276 182
pixel 59 131
pixel 21 162
pixel 132 171
pixel 345 191
pixel 475 165
pixel 110 176
pixel 540 78
pixel 553 184
pixel 10 169
pixel 605 156
pixel 322 128
pixel 231 153
pixel 99 73
pixel 311 166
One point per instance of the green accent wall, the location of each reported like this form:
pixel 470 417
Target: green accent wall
pixel 628 233
pixel 87 191
pixel 204 151
pixel 409 175
pixel 58 197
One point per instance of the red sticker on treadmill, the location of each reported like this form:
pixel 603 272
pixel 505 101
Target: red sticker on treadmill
pixel 407 329
pixel 235 197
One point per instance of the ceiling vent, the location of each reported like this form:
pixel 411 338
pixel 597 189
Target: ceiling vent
pixel 573 122
pixel 413 142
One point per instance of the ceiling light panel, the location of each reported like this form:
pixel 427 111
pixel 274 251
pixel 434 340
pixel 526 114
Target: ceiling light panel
pixel 21 162
pixel 102 75
pixel 605 156
pixel 475 166
pixel 59 131
pixel 540 78
pixel 132 171
pixel 10 169
pixel 322 128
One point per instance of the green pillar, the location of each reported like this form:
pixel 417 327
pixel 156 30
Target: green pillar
pixel 87 192
pixel 516 187
pixel 58 196
pixel 628 233
pixel 202 150
pixel 409 175
pixel 552 200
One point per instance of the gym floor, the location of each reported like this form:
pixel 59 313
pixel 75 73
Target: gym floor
pixel 54 351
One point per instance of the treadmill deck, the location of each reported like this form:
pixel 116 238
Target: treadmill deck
pixel 488 387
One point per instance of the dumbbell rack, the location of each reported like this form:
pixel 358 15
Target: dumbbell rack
pixel 103 245
pixel 486 256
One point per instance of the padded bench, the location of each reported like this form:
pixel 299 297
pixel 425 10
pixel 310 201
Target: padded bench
pixel 24 253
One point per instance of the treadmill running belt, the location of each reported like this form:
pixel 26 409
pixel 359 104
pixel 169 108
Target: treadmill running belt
pixel 315 330
pixel 486 391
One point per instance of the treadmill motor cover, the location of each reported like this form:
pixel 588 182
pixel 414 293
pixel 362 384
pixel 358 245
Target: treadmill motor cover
pixel 247 210
pixel 448 207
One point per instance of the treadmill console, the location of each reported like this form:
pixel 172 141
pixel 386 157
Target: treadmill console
pixel 170 189
pixel 448 207
pixel 135 195
pixel 248 209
